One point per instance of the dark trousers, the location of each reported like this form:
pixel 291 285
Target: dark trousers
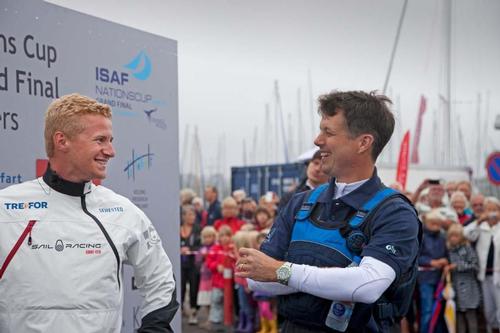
pixel 467 321
pixel 190 274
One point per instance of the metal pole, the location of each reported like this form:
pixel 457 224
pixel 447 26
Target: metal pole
pixel 393 53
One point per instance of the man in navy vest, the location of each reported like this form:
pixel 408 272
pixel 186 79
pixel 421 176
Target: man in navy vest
pixel 308 270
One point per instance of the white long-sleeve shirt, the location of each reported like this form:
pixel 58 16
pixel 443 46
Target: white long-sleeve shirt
pixel 364 283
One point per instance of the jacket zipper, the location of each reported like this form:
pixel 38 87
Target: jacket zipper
pixel 16 247
pixel 108 238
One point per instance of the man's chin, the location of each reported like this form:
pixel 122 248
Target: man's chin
pixel 326 169
pixel 99 175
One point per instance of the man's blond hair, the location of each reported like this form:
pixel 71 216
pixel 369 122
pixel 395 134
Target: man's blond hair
pixel 63 113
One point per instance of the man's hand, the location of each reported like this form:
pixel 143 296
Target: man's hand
pixel 257 266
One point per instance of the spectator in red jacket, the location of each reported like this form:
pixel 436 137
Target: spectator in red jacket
pixel 230 211
pixel 221 257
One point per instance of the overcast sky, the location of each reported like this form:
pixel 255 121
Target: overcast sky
pixel 230 53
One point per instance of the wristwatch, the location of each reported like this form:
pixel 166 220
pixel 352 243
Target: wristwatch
pixel 284 272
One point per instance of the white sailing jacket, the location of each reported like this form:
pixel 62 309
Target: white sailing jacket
pixel 61 253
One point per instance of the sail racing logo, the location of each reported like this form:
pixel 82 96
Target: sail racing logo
pixel 138 163
pixel 60 246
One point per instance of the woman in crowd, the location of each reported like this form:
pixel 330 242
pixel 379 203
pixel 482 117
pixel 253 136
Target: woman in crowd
pixel 485 231
pixel 464 266
pixel 459 203
pixel 432 260
pixel 190 270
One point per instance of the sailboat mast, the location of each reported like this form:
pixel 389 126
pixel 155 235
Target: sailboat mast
pixel 395 46
pixel 478 136
pixel 279 111
pixel 254 154
pixel 447 57
pixel 300 131
pixel 184 155
pixel 311 103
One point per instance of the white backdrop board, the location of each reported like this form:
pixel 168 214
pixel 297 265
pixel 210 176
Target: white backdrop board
pixel 47 51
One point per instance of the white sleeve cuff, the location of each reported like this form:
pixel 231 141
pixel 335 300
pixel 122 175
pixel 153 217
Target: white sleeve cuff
pixel 273 288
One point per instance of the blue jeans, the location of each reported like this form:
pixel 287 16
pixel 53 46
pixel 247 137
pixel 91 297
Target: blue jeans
pixel 244 302
pixel 426 302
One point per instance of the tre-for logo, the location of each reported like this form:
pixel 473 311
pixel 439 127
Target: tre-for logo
pixel 25 205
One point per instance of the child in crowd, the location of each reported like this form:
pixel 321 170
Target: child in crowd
pixel 208 237
pixel 267 315
pixel 221 257
pixel 270 202
pixel 485 231
pixel 433 258
pixel 262 219
pixel 246 321
pixel 230 211
pixel 464 266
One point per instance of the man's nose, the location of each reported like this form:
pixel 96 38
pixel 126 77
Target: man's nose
pixel 109 150
pixel 318 141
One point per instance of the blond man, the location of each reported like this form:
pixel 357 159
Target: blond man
pixel 63 240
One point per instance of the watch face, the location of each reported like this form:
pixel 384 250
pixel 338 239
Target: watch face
pixel 283 274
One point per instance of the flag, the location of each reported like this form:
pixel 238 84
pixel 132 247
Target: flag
pixel 402 171
pixel 418 129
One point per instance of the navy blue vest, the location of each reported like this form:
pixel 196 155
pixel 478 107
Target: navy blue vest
pixel 314 242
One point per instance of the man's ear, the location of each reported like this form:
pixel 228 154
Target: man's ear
pixel 365 142
pixel 61 141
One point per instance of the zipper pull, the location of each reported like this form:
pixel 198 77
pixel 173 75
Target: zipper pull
pixel 29 239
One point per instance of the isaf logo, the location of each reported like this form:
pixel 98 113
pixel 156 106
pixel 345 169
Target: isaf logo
pixel 135 66
pixel 140 68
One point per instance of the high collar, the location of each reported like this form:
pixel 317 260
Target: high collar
pixel 359 196
pixel 64 186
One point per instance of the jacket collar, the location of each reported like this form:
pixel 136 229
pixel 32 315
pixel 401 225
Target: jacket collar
pixel 64 186
pixel 359 196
